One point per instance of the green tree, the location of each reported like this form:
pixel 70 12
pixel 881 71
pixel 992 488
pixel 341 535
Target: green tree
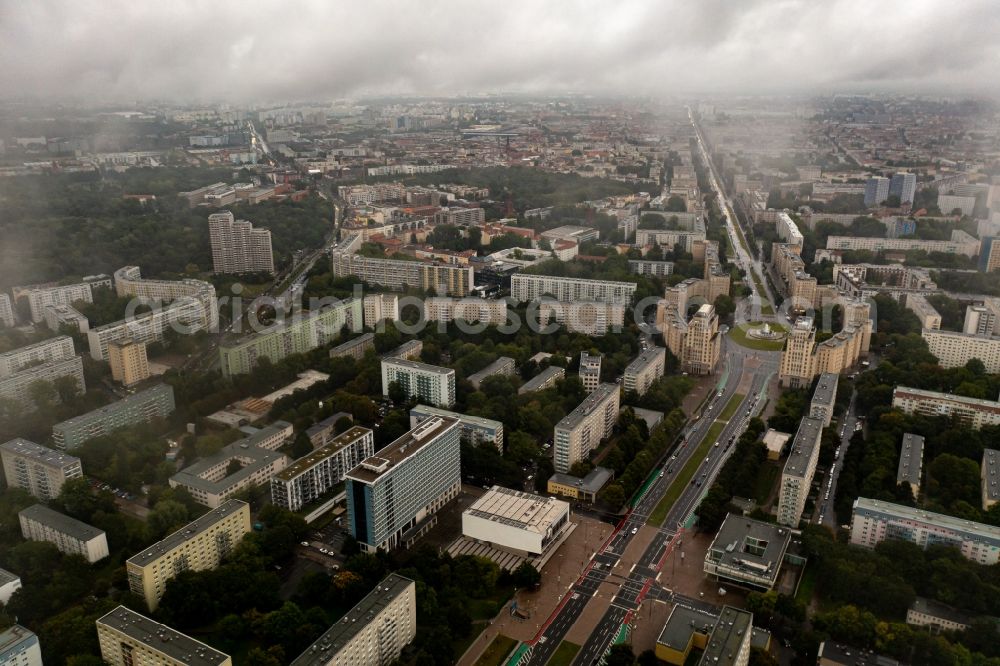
pixel 167 516
pixel 301 446
pixel 620 655
pixel 526 576
pixel 613 495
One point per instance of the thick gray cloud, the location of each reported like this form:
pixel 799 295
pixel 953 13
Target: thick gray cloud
pixel 221 49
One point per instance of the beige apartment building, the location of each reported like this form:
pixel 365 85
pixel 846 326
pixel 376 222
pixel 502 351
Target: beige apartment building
pixel 974 412
pixel 37 469
pixel 237 247
pixel 486 311
pixel 954 350
pixel 802 359
pixel 373 633
pixel 129 364
pixel 644 370
pixel 378 307
pixel 702 343
pixel 580 431
pixel 590 371
pixel 929 317
pixel 128 638
pixel 199 545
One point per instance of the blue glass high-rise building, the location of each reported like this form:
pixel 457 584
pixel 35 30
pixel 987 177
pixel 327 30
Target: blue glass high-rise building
pixel 393 495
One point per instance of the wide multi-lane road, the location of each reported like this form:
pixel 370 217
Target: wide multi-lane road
pixel 742 368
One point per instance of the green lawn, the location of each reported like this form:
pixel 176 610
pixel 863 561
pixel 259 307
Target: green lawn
pixel 731 407
pixel 563 656
pixel 766 308
pixel 807 585
pixel 739 336
pixel 496 651
pixel 765 482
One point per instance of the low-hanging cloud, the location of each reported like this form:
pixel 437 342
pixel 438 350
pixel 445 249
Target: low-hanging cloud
pixel 242 51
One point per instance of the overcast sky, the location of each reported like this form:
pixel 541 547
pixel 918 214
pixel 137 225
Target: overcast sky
pixel 247 50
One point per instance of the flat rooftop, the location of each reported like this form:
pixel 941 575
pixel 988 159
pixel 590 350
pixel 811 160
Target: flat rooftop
pixel 61 522
pixel 591 483
pixel 542 377
pixel 727 636
pixel 57 341
pixel 848 655
pixel 991 474
pixel 328 422
pixel 351 344
pixel 40 454
pixel 7 577
pixel 911 457
pixel 682 623
pixel 253 456
pixel 353 622
pixel 646 358
pixel 418 366
pixel 186 533
pixel 388 457
pixel 514 508
pixel 589 404
pixel 304 381
pixel 336 444
pixel 936 395
pixel 161 638
pixel 745 543
pixel 937 609
pixel 466 419
pixel 493 368
pixel 967 528
pixel 826 389
pixel 804 445
pixel 158 392
pixel 13 636
pixel 404 348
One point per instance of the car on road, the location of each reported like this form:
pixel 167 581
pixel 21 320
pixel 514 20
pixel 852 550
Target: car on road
pixel 716 445
pixel 706 459
pixel 635 530
pixel 662 472
pixel 304 543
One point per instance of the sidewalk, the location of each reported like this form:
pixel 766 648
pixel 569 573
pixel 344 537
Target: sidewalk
pixel 558 575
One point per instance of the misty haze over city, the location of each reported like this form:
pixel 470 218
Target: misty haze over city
pixel 256 51
pixel 577 333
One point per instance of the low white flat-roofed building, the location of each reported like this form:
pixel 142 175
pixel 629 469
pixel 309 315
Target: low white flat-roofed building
pixel 543 380
pixel 502 366
pixel 515 520
pixel 974 412
pixel 937 616
pixel 71 536
pixel 747 552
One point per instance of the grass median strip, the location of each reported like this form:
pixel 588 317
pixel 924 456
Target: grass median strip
pixel 563 656
pixel 731 407
pixel 687 472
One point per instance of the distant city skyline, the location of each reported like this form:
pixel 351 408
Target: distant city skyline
pixel 122 52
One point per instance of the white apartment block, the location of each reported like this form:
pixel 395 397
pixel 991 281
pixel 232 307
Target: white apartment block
pixel 53 349
pixel 486 311
pixel 128 638
pixel 974 412
pixel 787 230
pixel 960 243
pixel 503 366
pixel 40 298
pixel 588 318
pixel 19 647
pixel 9 584
pixel 70 536
pixel 954 350
pixel 525 288
pixel 309 477
pixel 475 429
pixel 37 469
pixel 911 462
pixel 949 202
pixel 200 545
pixel 399 274
pixel 979 321
pixel 57 316
pixel 460 216
pixel 580 431
pixel 378 307
pixel 654 268
pixel 875 521
pixel 17 386
pixel 237 247
pixel 373 633
pixel 192 307
pixel 590 371
pixel 6 312
pixel 543 380
pixel 429 383
pixel 644 370
pixel 359 195
pixel 797 476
